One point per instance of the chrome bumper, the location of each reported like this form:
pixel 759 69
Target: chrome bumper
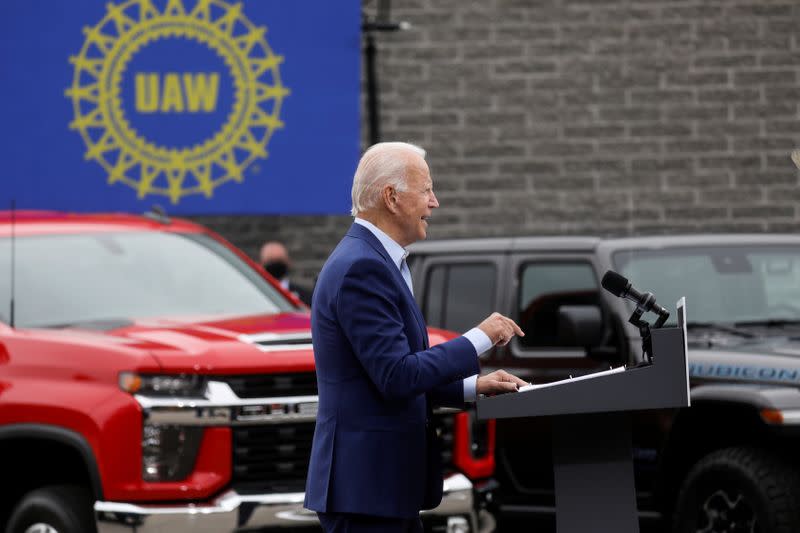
pixel 233 512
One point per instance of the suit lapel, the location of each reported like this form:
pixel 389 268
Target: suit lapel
pixel 360 232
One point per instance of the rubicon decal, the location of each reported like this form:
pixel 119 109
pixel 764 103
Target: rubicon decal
pixel 745 372
pixel 176 98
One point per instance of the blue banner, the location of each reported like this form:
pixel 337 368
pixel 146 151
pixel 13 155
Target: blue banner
pixel 201 106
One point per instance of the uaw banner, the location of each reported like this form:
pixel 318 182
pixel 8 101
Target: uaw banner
pixel 200 106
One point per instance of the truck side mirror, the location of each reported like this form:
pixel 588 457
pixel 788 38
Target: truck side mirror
pixel 580 325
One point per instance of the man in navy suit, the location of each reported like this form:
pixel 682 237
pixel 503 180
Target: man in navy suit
pixel 375 463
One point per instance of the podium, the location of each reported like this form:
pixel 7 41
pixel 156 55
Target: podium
pixel 592 462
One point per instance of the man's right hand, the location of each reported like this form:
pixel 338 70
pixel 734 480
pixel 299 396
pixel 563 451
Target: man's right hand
pixel 500 329
pixel 498 382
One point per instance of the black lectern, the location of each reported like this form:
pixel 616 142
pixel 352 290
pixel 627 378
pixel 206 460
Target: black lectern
pixel 592 459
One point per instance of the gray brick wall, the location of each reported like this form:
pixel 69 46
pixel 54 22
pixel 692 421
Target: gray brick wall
pixel 585 116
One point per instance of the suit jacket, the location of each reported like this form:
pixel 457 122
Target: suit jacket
pixel 374 451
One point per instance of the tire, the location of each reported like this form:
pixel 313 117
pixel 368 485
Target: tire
pixel 738 490
pixel 53 509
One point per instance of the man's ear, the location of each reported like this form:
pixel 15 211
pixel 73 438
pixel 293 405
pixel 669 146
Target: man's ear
pixel 389 198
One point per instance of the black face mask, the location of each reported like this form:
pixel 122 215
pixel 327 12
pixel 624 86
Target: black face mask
pixel 278 269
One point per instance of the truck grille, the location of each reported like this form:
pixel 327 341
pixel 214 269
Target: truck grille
pixel 274 458
pixel 272 385
pixel 271 458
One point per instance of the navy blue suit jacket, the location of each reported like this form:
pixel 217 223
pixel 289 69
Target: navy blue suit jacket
pixel 373 451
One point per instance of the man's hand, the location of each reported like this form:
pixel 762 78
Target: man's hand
pixel 498 382
pixel 500 329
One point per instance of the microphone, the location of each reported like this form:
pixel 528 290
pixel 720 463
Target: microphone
pixel 619 285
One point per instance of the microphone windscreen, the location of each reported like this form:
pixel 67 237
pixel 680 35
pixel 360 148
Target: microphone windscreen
pixel 614 283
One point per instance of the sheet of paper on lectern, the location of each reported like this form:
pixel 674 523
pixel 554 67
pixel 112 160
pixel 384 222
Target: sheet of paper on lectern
pixel 610 371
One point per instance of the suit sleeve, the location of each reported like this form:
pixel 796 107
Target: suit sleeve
pixel 449 395
pixel 367 309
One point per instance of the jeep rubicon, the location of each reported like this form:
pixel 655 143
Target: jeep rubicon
pixel 727 464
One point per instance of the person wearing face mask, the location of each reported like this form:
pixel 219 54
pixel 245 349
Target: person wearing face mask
pixel 275 260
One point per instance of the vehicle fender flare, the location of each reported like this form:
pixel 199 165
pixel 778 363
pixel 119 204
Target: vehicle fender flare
pixel 713 408
pixel 64 436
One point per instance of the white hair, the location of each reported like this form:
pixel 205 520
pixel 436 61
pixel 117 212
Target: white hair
pixel 381 165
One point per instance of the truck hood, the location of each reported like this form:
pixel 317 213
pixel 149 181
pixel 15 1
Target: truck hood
pixel 761 360
pixel 245 344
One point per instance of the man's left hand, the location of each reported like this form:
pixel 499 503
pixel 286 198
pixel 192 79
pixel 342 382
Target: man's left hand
pixel 498 382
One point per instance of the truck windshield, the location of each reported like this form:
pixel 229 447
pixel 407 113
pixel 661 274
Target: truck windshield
pixel 66 280
pixel 722 284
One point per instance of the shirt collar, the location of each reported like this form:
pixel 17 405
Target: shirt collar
pixel 395 251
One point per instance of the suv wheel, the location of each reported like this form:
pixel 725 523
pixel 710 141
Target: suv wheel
pixel 738 490
pixel 53 509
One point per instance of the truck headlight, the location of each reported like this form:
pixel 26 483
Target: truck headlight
pixel 181 385
pixel 169 452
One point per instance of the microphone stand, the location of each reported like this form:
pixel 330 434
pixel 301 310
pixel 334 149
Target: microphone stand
pixel 644 327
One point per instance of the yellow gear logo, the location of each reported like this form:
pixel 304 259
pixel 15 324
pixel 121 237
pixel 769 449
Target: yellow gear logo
pixel 142 160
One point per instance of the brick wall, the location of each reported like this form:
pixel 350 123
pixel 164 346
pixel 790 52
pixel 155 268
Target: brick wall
pixel 585 116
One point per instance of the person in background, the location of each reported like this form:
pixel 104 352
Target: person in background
pixel 275 260
pixel 376 458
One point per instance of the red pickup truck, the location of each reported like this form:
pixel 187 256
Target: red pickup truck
pixel 153 378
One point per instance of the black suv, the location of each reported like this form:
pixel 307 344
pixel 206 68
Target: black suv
pixel 726 464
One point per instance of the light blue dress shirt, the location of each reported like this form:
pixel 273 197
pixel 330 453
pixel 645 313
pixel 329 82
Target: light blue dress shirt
pixel 478 338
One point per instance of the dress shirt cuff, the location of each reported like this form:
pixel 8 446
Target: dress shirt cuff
pixel 470 385
pixel 479 340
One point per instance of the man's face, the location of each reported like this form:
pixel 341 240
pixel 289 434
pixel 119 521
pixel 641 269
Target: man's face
pixel 416 203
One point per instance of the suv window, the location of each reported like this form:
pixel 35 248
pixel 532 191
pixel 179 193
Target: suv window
pixel 459 296
pixel 543 289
